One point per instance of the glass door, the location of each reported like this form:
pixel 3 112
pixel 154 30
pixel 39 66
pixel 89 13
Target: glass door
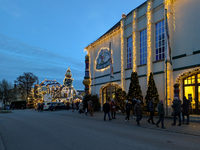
pixel 190 95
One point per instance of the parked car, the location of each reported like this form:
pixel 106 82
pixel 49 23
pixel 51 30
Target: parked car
pixel 46 105
pixel 56 106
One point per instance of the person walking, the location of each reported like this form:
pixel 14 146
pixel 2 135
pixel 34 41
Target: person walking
pixel 38 107
pixel 161 113
pixel 151 108
pixel 177 110
pixel 113 109
pixel 128 109
pixel 80 106
pixel 133 105
pixel 186 110
pixel 138 112
pixel 106 109
pixel 91 108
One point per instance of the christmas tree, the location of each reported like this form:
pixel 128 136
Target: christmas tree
pixel 152 91
pixel 120 98
pixel 134 88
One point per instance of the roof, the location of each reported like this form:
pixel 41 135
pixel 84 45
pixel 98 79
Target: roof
pixel 50 83
pixel 118 23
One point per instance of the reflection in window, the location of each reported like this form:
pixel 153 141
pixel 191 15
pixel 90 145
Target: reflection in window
pixel 160 41
pixel 129 52
pixel 143 47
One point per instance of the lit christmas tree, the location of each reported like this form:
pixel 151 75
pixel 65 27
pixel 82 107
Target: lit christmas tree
pixel 152 91
pixel 120 99
pixel 134 88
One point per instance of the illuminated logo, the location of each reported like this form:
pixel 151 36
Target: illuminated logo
pixel 103 59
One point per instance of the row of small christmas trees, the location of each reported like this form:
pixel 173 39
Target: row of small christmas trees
pixel 135 91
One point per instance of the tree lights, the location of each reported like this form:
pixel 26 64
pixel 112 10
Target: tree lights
pixel 122 53
pixel 134 41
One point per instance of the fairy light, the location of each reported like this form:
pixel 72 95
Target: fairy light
pixel 148 40
pixel 174 17
pixel 122 59
pixel 103 69
pixel 134 41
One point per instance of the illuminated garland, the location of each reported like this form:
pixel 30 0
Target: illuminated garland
pixel 134 41
pixel 122 55
pixel 148 40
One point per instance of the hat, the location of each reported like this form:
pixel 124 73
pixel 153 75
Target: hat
pixel 134 99
pixel 175 97
pixel 138 101
pixel 126 101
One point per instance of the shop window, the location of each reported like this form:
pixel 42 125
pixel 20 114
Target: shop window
pixel 143 47
pixel 129 52
pixel 160 40
pixel 198 78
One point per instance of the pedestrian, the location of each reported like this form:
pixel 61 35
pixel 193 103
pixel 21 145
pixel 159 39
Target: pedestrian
pixel 177 110
pixel 38 107
pixel 113 109
pixel 80 106
pixel 161 113
pixel 186 110
pixel 106 109
pixel 86 108
pixel 128 109
pixel 91 108
pixel 151 108
pixel 42 106
pixel 133 104
pixel 138 112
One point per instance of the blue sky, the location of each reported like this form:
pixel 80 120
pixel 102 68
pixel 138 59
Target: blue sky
pixel 45 37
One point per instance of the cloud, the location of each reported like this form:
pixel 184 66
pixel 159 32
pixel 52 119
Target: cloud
pixel 17 57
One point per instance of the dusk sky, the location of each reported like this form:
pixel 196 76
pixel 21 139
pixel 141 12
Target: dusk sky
pixel 45 37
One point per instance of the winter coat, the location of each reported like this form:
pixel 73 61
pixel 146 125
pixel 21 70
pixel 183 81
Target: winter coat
pixel 186 107
pixel 128 107
pixel 161 111
pixel 80 106
pixel 151 106
pixel 113 106
pixel 138 110
pixel 177 106
pixel 106 107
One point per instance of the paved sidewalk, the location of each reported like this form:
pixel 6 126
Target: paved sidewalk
pixel 192 129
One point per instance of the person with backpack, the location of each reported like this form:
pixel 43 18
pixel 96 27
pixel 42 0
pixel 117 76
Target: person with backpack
pixel 128 109
pixel 151 109
pixel 113 109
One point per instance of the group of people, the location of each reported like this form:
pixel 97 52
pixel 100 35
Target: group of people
pixel 136 106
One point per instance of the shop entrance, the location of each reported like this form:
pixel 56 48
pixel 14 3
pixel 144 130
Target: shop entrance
pixel 106 93
pixel 191 90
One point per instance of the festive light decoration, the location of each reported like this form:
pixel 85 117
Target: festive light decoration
pixel 113 84
pixel 87 80
pixel 134 41
pixel 186 74
pixel 103 69
pixel 122 55
pixel 149 13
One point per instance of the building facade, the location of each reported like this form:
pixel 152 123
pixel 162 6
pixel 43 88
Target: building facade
pixel 138 44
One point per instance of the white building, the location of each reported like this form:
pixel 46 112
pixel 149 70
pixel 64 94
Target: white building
pixel 138 45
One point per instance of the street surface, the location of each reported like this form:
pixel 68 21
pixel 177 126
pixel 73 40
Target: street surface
pixel 65 130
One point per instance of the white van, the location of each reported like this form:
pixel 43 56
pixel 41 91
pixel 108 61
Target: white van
pixel 46 105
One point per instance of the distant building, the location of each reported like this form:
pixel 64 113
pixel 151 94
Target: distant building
pixel 138 44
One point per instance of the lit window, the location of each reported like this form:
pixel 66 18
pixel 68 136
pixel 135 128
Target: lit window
pixel 143 47
pixel 129 52
pixel 160 40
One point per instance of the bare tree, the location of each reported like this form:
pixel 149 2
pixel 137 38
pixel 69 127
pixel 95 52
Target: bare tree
pixel 25 83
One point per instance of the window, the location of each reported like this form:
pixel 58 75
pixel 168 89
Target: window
pixel 160 41
pixel 129 52
pixel 143 47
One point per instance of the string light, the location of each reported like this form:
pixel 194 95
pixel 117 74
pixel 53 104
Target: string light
pixel 134 41
pixel 122 55
pixel 148 40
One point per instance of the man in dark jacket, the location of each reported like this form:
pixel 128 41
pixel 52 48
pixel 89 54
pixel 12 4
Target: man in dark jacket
pixel 177 110
pixel 106 109
pixel 186 109
pixel 151 110
pixel 161 113
pixel 128 109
